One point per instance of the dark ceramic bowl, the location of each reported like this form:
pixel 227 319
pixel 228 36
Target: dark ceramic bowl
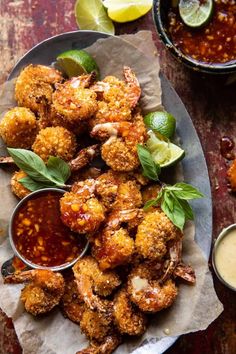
pixel 159 11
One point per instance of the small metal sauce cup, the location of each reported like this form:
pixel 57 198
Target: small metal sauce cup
pixel 222 235
pixel 18 254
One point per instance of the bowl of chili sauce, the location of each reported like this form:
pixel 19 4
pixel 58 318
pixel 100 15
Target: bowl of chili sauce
pixel 37 235
pixel 210 48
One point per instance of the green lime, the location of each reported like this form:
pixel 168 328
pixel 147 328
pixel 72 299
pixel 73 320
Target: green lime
pixel 195 13
pixel 127 10
pixel 161 122
pixel 92 15
pixel 164 153
pixel 76 62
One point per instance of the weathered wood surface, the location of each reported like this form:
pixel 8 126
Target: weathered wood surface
pixel 211 104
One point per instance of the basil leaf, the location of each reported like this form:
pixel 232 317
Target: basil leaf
pixel 58 169
pixel 150 169
pixel 187 209
pixel 169 201
pixel 32 185
pixel 177 216
pixel 187 191
pixel 150 203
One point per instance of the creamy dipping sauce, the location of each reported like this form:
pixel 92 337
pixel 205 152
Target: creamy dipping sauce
pixel 225 258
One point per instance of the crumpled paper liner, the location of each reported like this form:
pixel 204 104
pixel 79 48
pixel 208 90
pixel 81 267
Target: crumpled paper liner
pixel 196 306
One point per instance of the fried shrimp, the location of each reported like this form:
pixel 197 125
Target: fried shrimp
pixel 150 192
pixel 35 86
pixel 18 128
pixel 153 233
pixel 43 292
pixel 147 292
pixel 73 101
pixel 55 141
pixel 17 188
pixel 128 319
pixel 91 280
pixel 107 346
pixel 120 148
pixel 80 209
pixel 231 174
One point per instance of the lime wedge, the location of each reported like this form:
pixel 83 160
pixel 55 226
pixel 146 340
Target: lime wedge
pixel 91 15
pixel 127 10
pixel 161 122
pixel 76 62
pixel 164 153
pixel 195 13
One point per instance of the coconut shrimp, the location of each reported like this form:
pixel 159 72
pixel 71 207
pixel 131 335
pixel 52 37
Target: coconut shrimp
pixel 147 292
pixel 84 157
pixel 73 101
pixel 16 187
pixel 120 148
pixel 43 292
pixel 80 209
pixel 107 346
pixel 93 282
pixel 117 98
pixel 35 86
pixel 128 319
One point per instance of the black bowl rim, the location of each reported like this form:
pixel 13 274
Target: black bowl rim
pixel 197 66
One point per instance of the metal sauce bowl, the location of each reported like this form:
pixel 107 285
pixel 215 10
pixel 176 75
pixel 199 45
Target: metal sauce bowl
pixel 222 235
pixel 18 254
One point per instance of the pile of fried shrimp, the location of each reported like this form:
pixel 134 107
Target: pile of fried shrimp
pixel 134 263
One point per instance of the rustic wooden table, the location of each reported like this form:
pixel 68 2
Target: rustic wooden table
pixel 212 106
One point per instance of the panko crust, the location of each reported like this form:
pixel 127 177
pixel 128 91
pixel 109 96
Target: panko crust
pixel 35 85
pixel 128 319
pixel 150 192
pixel 18 128
pixel 153 234
pixel 17 188
pixel 55 141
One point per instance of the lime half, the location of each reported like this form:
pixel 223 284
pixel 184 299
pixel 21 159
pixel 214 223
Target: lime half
pixel 164 153
pixel 161 122
pixel 91 15
pixel 195 13
pixel 76 62
pixel 127 10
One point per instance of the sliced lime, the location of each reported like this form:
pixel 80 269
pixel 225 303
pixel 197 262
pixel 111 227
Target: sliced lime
pixel 76 62
pixel 91 15
pixel 127 10
pixel 164 153
pixel 161 122
pixel 195 13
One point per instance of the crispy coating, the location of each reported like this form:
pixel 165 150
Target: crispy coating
pixel 55 141
pixel 17 188
pixel 72 304
pixel 128 319
pixel 35 85
pixel 231 173
pixel 44 291
pixel 153 234
pixel 145 290
pixel 74 102
pixel 18 128
pixel 107 346
pixel 80 209
pixel 150 192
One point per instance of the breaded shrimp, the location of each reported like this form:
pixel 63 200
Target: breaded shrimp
pixel 91 280
pixel 35 85
pixel 147 292
pixel 16 187
pixel 84 157
pixel 55 141
pixel 128 319
pixel 231 173
pixel 153 234
pixel 18 128
pixel 80 209
pixel 150 192
pixel 44 291
pixel 120 148
pixel 107 346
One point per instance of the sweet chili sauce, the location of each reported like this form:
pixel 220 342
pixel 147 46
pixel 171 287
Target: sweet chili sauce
pixel 39 234
pixel 213 43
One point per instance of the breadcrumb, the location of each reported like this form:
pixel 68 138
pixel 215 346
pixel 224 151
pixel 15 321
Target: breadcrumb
pixel 17 188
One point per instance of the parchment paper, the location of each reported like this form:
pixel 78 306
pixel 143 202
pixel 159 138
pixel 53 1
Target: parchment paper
pixel 196 306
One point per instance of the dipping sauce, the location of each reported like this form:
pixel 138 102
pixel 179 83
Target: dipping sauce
pixel 225 259
pixel 39 234
pixel 213 43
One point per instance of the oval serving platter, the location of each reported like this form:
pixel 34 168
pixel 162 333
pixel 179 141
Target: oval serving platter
pixel 194 164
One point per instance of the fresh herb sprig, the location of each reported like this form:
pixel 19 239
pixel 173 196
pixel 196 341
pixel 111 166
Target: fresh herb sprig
pixel 174 202
pixel 151 170
pixel 40 175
